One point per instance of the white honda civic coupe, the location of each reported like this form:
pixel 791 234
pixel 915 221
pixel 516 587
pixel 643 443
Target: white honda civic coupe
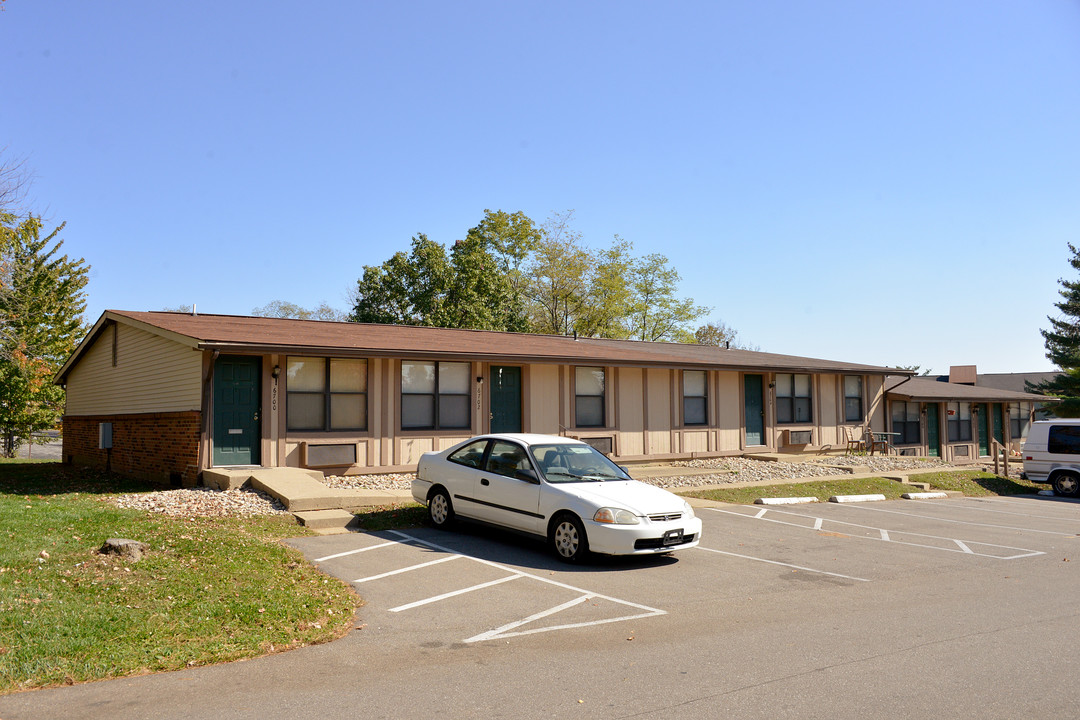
pixel 555 487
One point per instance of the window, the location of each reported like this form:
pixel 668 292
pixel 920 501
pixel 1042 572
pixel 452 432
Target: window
pixel 853 398
pixel 507 458
pixel 694 402
pixel 1019 420
pixel 793 401
pixel 471 455
pixel 326 394
pixel 589 397
pixel 1063 440
pixel 905 420
pixel 959 421
pixel 435 395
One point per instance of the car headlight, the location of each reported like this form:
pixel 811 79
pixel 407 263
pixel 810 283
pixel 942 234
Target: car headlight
pixel 615 516
pixel 688 511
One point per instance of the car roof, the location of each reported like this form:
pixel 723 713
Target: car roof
pixel 535 438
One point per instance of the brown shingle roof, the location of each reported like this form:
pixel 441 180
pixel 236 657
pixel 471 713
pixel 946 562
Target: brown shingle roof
pixel 232 333
pixel 938 389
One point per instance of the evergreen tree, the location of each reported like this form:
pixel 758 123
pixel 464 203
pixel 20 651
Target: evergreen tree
pixel 42 299
pixel 1063 346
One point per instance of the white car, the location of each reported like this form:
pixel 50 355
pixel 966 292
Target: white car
pixel 554 487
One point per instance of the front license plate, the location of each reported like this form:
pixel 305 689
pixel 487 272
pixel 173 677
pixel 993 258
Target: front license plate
pixel 673 537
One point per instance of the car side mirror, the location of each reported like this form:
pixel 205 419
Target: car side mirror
pixel 528 475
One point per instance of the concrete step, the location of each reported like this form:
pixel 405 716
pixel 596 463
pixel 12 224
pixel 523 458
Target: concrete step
pixel 326 522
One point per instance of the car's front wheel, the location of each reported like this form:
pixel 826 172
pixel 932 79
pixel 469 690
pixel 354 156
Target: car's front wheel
pixel 440 509
pixel 568 538
pixel 1066 484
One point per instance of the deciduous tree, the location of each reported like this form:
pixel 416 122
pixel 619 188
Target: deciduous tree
pixel 285 309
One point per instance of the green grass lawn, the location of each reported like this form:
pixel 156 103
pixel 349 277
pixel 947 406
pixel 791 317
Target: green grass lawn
pixel 970 482
pixel 210 590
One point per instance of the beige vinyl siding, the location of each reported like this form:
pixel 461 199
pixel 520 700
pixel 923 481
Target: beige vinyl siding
pixel 695 441
pixel 152 374
pixel 541 384
pixel 729 419
pixel 831 414
pixel 659 416
pixel 630 423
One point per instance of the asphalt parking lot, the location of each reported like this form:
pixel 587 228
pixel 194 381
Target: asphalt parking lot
pixel 953 608
pixel 477 584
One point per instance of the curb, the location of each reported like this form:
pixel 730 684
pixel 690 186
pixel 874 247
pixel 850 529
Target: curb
pixel 785 501
pixel 856 498
pixel 924 495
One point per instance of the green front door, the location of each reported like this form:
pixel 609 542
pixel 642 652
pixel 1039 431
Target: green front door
pixel 236 411
pixel 505 399
pixel 933 432
pixel 999 427
pixel 984 434
pixel 754 408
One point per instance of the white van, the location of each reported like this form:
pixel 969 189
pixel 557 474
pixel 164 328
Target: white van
pixel 1052 455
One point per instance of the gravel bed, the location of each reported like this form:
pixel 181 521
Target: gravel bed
pixel 744 469
pixel 389 481
pixel 204 502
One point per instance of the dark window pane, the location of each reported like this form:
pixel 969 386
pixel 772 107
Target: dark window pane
pixel 802 410
pixel 694 411
pixel 348 412
pixel 590 411
pixel 853 409
pixel 1064 440
pixel 417 411
pixel 453 411
pixel 785 412
pixel 306 412
pixel 470 455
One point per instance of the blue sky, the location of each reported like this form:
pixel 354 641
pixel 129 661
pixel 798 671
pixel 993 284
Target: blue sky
pixel 869 181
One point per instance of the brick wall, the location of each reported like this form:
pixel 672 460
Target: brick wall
pixel 162 447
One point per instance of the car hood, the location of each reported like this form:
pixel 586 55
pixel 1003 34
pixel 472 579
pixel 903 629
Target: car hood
pixel 636 496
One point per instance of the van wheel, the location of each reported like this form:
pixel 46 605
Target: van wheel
pixel 1066 484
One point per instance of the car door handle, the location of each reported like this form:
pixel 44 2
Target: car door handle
pixel 484 481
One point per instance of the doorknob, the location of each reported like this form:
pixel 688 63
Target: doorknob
pixel 256 415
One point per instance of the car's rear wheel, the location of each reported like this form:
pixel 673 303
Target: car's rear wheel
pixel 568 538
pixel 440 509
pixel 1066 484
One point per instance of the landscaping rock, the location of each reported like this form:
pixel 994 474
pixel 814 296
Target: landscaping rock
pixel 130 550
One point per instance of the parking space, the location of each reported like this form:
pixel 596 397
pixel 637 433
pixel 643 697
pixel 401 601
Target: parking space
pixel 476 584
pixel 456 597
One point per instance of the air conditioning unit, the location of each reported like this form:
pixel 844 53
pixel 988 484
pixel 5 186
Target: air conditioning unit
pixel 798 437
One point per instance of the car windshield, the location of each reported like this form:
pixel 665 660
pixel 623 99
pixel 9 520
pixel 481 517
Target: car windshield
pixel 575 463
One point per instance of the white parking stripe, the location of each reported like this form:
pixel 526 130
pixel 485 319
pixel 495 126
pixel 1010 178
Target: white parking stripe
pixel 502 632
pixel 353 552
pixel 777 562
pixel 977 505
pixel 956 522
pixel 455 593
pixel 549 581
pixel 407 569
pixel 964 547
pixel 1024 552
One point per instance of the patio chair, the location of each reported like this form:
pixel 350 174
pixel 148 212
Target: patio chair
pixel 856 440
pixel 879 442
